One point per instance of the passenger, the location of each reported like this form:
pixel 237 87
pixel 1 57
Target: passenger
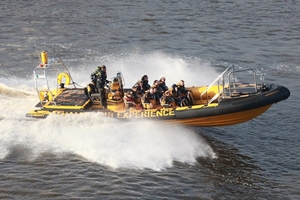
pixel 115 85
pixel 174 94
pixel 151 97
pixel 158 90
pixel 168 100
pixel 115 89
pixel 137 98
pixel 184 97
pixel 100 77
pixel 162 84
pixel 145 84
pixel 129 100
pixel 139 88
pixel 155 85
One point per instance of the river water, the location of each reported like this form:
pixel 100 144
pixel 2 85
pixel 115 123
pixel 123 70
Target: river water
pixel 93 157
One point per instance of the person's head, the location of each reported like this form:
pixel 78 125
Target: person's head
pixel 174 86
pixel 167 93
pixel 155 82
pixel 181 83
pixel 103 67
pixel 151 90
pixel 162 79
pixel 145 78
pixel 98 68
pixel 134 88
pixel 128 94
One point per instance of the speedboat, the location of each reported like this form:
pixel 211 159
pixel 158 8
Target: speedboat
pixel 228 100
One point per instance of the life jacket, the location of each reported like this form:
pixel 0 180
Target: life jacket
pixel 115 93
pixel 114 86
pixel 129 102
pixel 102 78
pixel 168 102
pixel 95 74
pixel 128 99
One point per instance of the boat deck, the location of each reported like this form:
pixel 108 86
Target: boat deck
pixel 71 97
pixel 238 89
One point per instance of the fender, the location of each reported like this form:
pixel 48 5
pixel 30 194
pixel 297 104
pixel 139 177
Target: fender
pixel 60 77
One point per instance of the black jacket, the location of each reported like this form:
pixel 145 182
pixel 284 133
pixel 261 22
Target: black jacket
pixel 102 79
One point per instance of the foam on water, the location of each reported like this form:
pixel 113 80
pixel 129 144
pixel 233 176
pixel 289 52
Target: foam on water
pixel 143 144
pixel 107 141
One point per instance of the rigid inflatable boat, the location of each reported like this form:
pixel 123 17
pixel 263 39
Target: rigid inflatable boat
pixel 228 100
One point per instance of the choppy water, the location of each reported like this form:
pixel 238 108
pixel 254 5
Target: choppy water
pixel 90 156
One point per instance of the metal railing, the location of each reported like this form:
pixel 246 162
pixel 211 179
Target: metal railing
pixel 231 85
pixel 233 74
pixel 220 80
pixel 40 73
